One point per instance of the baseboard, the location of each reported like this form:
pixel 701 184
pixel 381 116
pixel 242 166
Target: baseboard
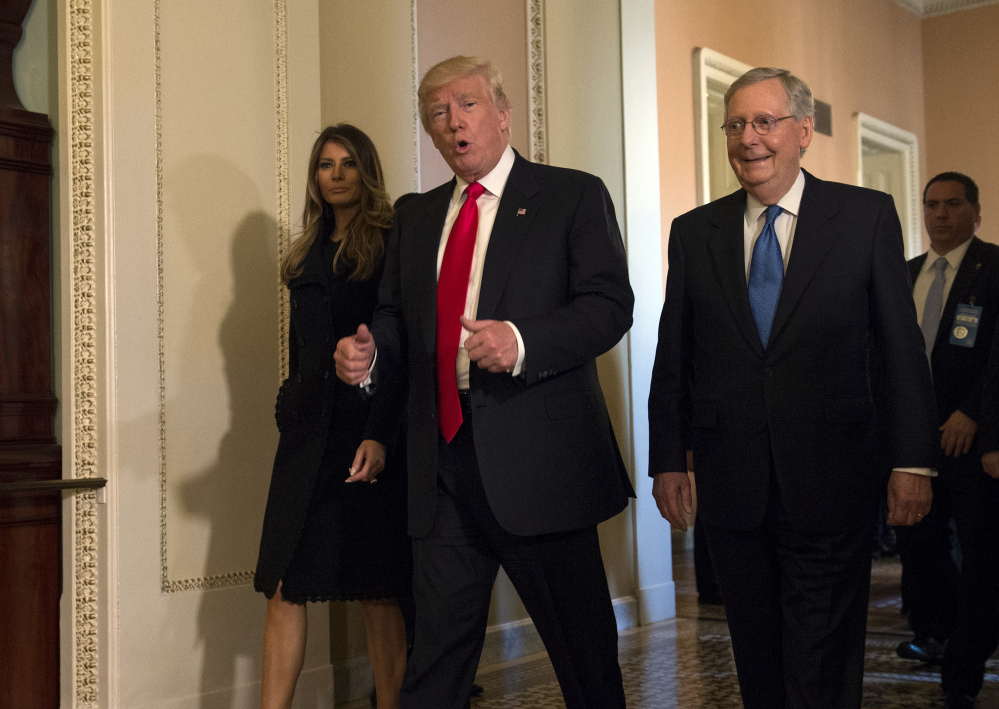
pixel 352 680
pixel 505 642
pixel 656 603
pixel 512 641
pixel 314 691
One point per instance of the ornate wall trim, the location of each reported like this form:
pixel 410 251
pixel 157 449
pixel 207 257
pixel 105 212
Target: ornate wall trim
pixel 536 80
pixel 84 347
pixel 283 218
pixel 416 101
pixel 931 8
pixel 283 180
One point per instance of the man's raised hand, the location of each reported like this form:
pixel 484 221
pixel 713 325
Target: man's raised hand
pixel 353 356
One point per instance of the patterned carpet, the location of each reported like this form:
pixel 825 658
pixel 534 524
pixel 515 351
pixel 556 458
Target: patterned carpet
pixel 686 663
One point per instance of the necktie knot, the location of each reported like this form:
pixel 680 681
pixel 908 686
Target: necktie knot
pixel 474 190
pixel 772 212
pixel 940 264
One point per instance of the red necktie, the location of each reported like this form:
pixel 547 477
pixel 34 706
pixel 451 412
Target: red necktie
pixel 452 291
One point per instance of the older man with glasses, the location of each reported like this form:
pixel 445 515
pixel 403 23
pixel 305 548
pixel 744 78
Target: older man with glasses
pixel 781 301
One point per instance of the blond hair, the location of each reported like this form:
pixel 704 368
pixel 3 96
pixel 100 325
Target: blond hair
pixel 460 68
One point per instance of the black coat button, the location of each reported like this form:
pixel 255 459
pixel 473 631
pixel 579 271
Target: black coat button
pixel 768 372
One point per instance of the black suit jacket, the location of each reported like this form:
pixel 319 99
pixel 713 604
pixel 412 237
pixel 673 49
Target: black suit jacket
pixel 958 372
pixel 803 407
pixel 556 268
pixel 988 431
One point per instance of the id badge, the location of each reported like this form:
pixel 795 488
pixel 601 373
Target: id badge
pixel 965 327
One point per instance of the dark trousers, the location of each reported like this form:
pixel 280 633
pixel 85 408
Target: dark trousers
pixel 930 576
pixel 796 604
pixel 560 579
pixel 704 572
pixel 976 627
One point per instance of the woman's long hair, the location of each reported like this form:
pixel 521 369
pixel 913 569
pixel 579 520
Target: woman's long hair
pixel 363 245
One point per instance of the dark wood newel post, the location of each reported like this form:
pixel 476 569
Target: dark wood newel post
pixel 30 520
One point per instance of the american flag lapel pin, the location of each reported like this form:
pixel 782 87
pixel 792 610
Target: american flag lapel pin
pixel 521 212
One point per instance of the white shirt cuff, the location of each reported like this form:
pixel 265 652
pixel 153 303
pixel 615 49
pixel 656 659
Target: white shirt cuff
pixel 929 472
pixel 519 367
pixel 370 379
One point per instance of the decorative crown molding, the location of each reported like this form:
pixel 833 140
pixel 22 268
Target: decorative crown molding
pixel 932 8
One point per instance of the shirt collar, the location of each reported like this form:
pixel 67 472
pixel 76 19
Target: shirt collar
pixel 790 202
pixel 954 256
pixel 495 181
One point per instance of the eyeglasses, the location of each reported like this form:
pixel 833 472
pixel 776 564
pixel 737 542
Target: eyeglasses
pixel 761 124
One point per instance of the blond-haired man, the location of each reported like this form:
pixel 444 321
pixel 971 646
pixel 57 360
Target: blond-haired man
pixel 501 288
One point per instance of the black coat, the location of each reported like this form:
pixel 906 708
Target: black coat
pixel 804 406
pixel 313 404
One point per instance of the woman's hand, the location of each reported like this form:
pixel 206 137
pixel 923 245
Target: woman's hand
pixel 368 462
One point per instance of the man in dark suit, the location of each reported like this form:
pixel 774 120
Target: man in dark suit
pixel 976 630
pixel 777 298
pixel 512 460
pixel 956 294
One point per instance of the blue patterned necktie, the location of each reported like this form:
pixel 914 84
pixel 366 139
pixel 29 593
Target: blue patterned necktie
pixel 934 305
pixel 766 275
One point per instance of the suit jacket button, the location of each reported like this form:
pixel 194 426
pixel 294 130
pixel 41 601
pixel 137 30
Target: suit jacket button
pixel 768 372
pixel 761 428
pixel 326 374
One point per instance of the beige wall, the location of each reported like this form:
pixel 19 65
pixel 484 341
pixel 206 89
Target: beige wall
pixel 960 61
pixel 371 89
pixel 585 42
pixel 496 29
pixel 857 55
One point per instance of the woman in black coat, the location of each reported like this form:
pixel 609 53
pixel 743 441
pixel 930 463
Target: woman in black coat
pixel 335 523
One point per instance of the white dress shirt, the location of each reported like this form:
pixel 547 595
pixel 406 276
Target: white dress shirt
pixel 488 203
pixel 784 225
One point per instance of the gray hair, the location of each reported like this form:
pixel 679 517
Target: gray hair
pixel 799 97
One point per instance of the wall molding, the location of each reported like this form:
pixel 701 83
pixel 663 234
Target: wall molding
pixel 85 429
pixel 933 8
pixel 283 219
pixel 414 37
pixel 281 160
pixel 536 81
pixel 714 66
pixel 896 139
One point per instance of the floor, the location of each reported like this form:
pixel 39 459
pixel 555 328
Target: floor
pixel 687 663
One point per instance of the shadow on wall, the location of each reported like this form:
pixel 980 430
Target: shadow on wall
pixel 228 494
pixel 221 346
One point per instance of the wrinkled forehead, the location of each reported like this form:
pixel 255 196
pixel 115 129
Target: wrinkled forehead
pixel 460 89
pixel 762 98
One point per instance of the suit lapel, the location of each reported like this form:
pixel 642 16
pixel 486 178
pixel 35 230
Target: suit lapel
pixel 509 231
pixel 725 243
pixel 960 289
pixel 915 266
pixel 427 236
pixel 814 235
